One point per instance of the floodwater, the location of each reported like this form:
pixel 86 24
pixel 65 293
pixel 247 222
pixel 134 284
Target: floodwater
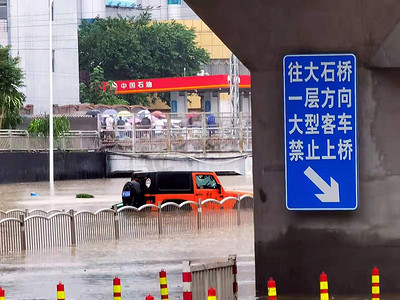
pixel 87 271
pixel 106 191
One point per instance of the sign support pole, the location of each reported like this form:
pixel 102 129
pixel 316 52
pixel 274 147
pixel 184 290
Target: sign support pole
pixel 51 132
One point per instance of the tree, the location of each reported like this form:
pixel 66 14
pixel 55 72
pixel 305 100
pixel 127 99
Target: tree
pixel 11 98
pixel 97 93
pixel 138 48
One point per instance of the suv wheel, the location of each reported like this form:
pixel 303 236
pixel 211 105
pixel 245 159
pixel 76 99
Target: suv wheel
pixel 132 194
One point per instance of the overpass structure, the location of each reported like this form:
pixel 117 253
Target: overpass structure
pixel 295 246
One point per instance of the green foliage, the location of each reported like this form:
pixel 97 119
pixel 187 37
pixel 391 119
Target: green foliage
pixel 137 48
pixel 95 93
pixel 11 99
pixel 41 126
pixel 83 195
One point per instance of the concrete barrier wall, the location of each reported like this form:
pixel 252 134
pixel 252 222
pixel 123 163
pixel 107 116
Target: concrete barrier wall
pixel 29 167
pixel 125 164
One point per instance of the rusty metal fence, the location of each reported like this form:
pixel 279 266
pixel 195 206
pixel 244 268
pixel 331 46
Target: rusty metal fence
pixel 39 229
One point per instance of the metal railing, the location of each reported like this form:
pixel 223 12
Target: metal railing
pixel 20 140
pixel 219 275
pixel 38 229
pixel 187 133
pixel 182 133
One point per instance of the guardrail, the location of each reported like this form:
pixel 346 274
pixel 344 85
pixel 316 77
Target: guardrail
pixel 34 230
pixel 20 140
pixel 220 275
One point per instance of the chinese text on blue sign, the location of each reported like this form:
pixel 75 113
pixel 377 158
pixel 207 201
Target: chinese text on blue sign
pixel 320 99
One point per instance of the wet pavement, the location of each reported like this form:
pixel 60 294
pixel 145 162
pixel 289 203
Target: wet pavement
pixel 87 271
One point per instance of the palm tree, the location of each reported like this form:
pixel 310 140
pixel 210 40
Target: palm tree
pixel 11 98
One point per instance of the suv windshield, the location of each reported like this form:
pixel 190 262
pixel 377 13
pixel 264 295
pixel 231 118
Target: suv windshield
pixel 206 182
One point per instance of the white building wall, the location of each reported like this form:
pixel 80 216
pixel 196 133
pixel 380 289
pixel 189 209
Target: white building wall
pixel 114 12
pixel 3 32
pixel 91 9
pixel 187 13
pixel 29 39
pixel 159 9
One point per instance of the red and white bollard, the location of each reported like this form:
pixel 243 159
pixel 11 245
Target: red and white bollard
pixel 117 288
pixel 149 297
pixel 2 294
pixel 271 289
pixel 60 291
pixel 375 284
pixel 187 281
pixel 212 294
pixel 323 286
pixel 234 273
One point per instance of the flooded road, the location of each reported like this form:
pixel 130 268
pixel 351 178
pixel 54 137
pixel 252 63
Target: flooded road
pixel 106 191
pixel 87 271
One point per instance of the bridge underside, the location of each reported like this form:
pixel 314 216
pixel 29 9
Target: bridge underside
pixel 294 247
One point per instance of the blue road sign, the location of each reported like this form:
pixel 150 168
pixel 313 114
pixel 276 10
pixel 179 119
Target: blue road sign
pixel 320 111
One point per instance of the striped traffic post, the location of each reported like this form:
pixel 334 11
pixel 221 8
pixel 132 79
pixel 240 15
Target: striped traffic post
pixel 375 284
pixel 149 297
pixel 187 281
pixel 323 285
pixel 117 288
pixel 2 294
pixel 163 285
pixel 271 289
pixel 60 291
pixel 212 294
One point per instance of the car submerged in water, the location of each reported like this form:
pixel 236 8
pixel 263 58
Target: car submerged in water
pixel 174 186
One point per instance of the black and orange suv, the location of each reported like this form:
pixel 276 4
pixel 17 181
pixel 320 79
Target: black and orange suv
pixel 174 186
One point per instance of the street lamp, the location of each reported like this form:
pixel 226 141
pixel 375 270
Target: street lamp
pixel 51 134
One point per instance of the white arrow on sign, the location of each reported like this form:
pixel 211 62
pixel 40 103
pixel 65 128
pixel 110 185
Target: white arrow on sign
pixel 330 192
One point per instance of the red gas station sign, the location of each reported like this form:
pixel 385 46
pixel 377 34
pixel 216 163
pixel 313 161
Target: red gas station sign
pixel 178 84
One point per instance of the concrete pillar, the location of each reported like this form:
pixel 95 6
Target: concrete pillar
pixel 210 101
pixel 245 102
pixel 294 247
pixel 181 101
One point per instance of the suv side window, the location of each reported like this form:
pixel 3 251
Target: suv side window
pixel 206 182
pixel 173 182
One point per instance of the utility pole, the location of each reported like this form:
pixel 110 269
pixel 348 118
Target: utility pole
pixel 51 132
pixel 234 81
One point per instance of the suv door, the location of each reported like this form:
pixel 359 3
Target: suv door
pixel 206 186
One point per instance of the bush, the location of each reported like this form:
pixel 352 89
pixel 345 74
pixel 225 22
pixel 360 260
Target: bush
pixel 41 126
pixel 84 196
